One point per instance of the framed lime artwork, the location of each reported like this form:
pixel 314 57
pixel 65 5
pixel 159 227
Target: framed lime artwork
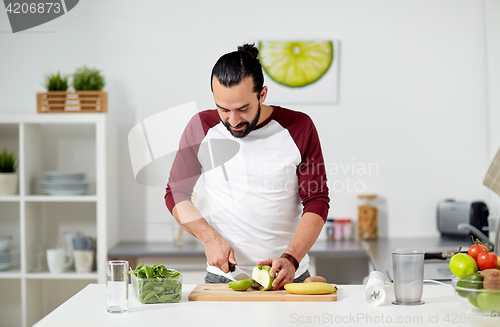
pixel 300 71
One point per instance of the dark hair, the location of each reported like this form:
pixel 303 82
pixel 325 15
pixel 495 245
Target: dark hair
pixel 233 67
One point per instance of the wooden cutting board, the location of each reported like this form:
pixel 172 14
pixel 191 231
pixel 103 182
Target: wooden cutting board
pixel 221 292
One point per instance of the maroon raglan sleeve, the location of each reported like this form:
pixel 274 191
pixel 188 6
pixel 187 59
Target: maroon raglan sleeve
pixel 311 172
pixel 186 168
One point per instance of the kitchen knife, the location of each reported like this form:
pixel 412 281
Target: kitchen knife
pixel 439 255
pixel 232 267
pixel 242 275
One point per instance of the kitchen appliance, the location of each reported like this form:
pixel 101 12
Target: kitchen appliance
pixel 451 213
pixel 375 288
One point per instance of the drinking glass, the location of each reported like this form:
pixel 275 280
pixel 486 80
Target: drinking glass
pixel 117 286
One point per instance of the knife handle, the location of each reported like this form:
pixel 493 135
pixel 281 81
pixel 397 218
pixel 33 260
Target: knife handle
pixel 232 266
pixel 440 256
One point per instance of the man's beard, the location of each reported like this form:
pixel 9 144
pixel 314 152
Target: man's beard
pixel 244 132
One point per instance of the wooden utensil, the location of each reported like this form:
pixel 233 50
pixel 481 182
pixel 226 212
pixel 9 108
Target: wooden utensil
pixel 221 292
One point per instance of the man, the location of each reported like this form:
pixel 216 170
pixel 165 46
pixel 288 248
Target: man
pixel 269 201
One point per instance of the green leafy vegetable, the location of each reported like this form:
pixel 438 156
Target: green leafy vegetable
pixel 156 284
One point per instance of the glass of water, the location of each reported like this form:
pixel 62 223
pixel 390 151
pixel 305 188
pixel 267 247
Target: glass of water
pixel 117 286
pixel 408 271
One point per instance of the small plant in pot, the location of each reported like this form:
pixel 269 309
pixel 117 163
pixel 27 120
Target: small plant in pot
pixel 56 82
pixel 88 79
pixel 8 173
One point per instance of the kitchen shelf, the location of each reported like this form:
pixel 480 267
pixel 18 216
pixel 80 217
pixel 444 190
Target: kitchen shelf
pixel 16 274
pixel 11 198
pixel 11 302
pixel 60 198
pixel 36 221
pixel 44 295
pixel 61 276
pixel 10 274
pixel 50 198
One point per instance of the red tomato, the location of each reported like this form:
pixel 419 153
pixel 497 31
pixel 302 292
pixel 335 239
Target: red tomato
pixel 477 249
pixel 487 260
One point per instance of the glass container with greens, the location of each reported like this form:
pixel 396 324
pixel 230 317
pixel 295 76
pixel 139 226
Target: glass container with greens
pixel 156 284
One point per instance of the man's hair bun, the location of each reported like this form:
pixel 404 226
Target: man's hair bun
pixel 233 67
pixel 250 48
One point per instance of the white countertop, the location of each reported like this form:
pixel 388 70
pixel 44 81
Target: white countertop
pixel 441 308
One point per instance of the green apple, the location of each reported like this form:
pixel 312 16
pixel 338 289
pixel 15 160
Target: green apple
pixel 489 302
pixel 260 274
pixel 256 286
pixel 240 285
pixel 462 264
pixel 473 301
pixel 472 281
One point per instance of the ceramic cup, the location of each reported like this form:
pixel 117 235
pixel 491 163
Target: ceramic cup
pixel 57 260
pixel 68 244
pixel 84 260
pixel 82 243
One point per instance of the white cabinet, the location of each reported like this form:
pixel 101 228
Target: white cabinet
pixel 36 221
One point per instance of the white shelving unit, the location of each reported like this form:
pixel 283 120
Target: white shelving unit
pixel 53 142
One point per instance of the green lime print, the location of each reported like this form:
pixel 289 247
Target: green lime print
pixel 296 63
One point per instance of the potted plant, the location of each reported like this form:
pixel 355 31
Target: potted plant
pixel 8 173
pixel 87 97
pixel 88 79
pixel 56 82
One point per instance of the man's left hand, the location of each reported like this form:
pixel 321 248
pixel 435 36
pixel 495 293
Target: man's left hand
pixel 283 267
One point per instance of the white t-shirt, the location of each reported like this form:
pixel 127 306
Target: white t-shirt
pixel 257 186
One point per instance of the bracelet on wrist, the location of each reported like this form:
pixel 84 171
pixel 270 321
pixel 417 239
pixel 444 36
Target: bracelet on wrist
pixel 292 259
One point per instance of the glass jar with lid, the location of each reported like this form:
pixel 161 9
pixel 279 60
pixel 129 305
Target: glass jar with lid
pixel 347 232
pixel 367 216
pixel 330 232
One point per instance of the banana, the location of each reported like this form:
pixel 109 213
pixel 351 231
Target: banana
pixel 310 288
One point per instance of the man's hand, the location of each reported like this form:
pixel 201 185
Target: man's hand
pixel 284 268
pixel 218 252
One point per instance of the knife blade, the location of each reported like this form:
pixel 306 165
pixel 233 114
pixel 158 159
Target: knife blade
pixel 242 275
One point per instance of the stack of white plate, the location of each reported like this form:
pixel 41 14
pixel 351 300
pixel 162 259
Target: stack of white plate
pixel 64 183
pixel 7 258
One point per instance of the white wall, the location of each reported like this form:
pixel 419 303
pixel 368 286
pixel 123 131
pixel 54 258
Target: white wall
pixel 414 97
pixel 492 43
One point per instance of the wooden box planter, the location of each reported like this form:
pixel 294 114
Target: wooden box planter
pixel 78 101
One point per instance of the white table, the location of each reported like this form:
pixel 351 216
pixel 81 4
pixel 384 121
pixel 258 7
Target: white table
pixel 441 308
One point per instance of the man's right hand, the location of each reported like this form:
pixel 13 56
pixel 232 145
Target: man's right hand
pixel 219 252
